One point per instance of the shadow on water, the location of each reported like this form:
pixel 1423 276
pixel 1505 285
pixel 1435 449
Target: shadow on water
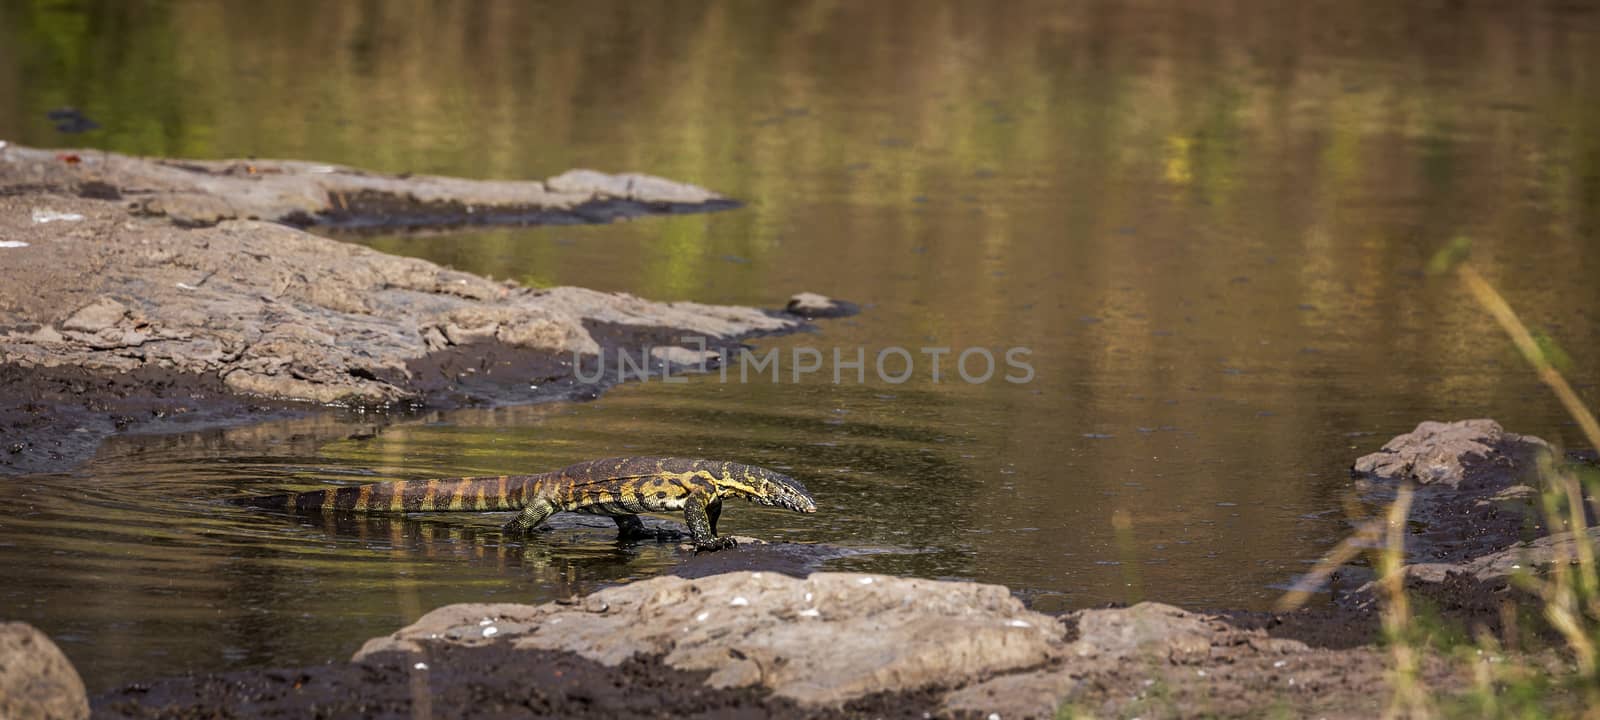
pixel 1207 223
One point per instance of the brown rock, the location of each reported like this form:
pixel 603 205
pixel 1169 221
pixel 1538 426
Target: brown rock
pixel 96 316
pixel 1452 453
pixel 36 679
pixel 1144 630
pixel 189 209
pixel 821 640
pixel 632 186
pixel 811 305
pixel 312 318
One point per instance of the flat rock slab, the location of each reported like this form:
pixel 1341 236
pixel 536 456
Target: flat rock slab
pixel 106 297
pixel 826 639
pixel 199 193
pixel 833 639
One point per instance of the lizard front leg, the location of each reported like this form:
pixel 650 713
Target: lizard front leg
pixel 696 516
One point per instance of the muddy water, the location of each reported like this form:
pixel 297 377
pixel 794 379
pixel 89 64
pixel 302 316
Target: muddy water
pixel 1207 225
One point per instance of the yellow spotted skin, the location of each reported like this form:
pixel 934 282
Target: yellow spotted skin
pixel 620 488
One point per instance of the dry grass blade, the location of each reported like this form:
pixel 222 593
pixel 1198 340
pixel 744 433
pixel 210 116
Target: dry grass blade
pixel 1344 552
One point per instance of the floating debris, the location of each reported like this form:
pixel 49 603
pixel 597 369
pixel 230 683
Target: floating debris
pixel 739 601
pixel 71 120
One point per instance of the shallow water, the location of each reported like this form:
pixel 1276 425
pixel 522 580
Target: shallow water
pixel 1207 224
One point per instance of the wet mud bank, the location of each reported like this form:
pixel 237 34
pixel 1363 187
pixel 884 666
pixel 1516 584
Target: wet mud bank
pixel 757 633
pixel 138 292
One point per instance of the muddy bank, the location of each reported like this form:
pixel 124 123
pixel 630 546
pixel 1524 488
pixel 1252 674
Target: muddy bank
pixel 748 641
pixel 136 290
pixel 493 681
pixel 1474 522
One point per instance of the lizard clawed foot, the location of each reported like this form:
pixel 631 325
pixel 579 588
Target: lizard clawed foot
pixel 714 544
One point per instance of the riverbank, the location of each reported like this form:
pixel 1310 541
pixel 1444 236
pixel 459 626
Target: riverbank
pixel 143 294
pixel 755 642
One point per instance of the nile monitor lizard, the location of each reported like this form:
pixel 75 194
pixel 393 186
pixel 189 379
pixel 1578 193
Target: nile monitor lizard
pixel 618 487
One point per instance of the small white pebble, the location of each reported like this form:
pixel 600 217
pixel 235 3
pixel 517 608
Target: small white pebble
pixel 739 601
pixel 1148 683
pixel 320 169
pixel 1280 663
pixel 1019 623
pixel 755 576
pixel 490 631
pixel 702 616
pixel 12 244
pixel 994 716
pixel 809 612
pixel 49 216
pixel 865 581
pixel 1201 673
pixel 420 666
pixel 186 286
pixel 485 621
pixel 808 597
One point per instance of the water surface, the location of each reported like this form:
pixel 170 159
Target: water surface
pixel 1207 223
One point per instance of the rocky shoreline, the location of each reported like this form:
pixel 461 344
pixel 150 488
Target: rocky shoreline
pixel 141 295
pixel 759 643
pixel 139 291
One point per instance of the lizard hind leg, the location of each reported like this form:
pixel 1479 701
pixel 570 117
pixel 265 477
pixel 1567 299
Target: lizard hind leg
pixel 530 517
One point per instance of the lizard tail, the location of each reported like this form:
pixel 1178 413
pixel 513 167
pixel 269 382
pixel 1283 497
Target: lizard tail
pixel 474 494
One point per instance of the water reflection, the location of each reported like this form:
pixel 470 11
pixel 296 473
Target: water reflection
pixel 1207 222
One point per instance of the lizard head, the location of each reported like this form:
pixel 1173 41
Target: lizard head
pixel 765 487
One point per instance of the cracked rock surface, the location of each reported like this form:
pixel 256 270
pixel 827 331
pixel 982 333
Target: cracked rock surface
pixel 964 649
pixel 106 302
